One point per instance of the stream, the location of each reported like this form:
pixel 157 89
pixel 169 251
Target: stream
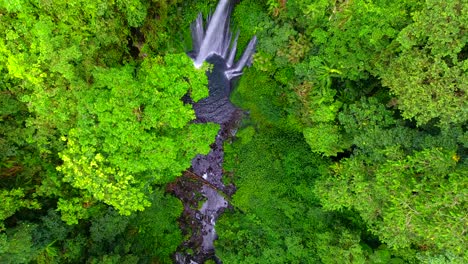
pixel 201 188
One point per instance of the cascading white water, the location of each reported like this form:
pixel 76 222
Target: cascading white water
pixel 216 39
pixel 246 59
pixel 212 41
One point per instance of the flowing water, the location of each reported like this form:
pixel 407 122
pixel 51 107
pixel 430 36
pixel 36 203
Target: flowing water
pixel 216 38
pixel 212 43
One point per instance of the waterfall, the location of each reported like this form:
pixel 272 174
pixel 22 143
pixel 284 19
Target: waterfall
pixel 215 44
pixel 245 60
pixel 216 38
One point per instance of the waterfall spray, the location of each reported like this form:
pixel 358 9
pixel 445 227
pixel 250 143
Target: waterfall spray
pixel 216 38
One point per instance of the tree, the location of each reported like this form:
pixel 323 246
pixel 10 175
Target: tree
pixel 120 127
pixel 407 185
pixel 134 132
pixel 91 127
pixel 429 76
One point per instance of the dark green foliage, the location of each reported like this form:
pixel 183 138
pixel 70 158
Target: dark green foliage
pixel 318 70
pixel 355 150
pixel 148 237
pixel 16 245
pixel 157 234
pixel 52 229
pixel 19 161
pixel 106 227
pixel 429 76
pixel 277 219
pixel 393 199
pixel 393 173
pixel 272 173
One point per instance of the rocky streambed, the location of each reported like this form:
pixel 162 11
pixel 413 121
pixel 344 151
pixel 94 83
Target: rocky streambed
pixel 201 188
pixel 204 197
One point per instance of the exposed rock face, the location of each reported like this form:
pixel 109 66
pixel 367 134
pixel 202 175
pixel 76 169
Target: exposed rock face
pixel 217 107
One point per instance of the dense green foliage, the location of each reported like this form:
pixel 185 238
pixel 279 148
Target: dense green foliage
pixel 132 133
pixel 92 127
pixel 277 219
pixel 355 149
pixel 378 89
pixel 106 238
